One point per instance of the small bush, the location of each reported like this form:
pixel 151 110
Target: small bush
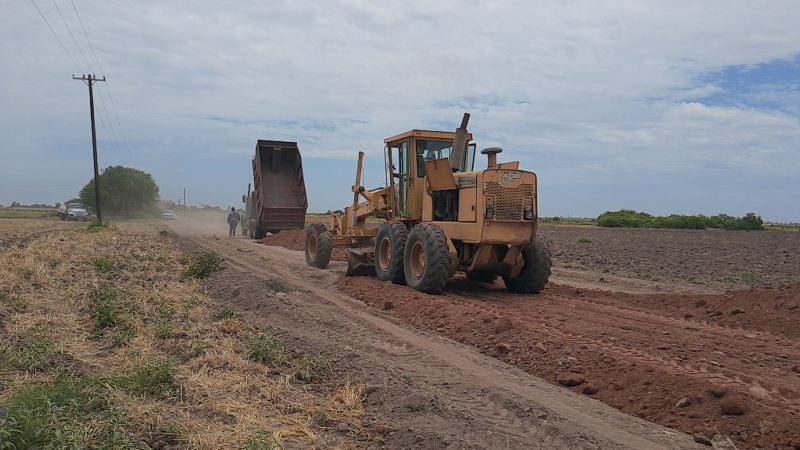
pixel 163 232
pixel 102 264
pixel 263 440
pixel 266 348
pixel 153 378
pixel 203 266
pixel 584 240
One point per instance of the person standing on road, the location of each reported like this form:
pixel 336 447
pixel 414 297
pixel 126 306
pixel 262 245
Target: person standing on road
pixel 233 220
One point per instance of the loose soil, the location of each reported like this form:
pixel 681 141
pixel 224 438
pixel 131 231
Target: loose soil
pixel 705 340
pixel 424 391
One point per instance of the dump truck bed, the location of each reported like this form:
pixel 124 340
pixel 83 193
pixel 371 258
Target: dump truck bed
pixel 280 191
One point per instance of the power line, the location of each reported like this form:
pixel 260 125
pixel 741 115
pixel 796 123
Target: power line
pixel 69 30
pixel 124 140
pixel 87 38
pixel 56 36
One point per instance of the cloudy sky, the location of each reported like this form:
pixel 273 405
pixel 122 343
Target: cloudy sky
pixel 667 107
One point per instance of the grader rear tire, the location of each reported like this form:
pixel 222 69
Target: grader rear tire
pixel 535 270
pixel 390 247
pixel 319 245
pixel 426 261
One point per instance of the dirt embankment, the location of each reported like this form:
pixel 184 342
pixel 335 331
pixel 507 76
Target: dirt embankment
pixel 704 364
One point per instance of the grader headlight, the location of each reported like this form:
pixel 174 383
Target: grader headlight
pixel 527 205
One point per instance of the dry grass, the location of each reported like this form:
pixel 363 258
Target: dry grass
pixel 201 391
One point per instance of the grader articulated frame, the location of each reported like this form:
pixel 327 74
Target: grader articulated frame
pixel 439 216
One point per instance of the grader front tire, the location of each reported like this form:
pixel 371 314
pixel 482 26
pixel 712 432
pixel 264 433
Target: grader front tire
pixel 426 260
pixel 319 245
pixel 535 270
pixel 390 247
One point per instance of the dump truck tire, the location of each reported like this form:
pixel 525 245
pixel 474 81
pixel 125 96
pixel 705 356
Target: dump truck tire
pixel 390 248
pixel 319 245
pixel 535 270
pixel 426 261
pixel 478 276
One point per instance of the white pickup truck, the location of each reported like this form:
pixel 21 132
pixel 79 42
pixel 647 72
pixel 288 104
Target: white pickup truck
pixel 73 211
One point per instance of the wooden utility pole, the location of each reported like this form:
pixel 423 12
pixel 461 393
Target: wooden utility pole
pixel 90 80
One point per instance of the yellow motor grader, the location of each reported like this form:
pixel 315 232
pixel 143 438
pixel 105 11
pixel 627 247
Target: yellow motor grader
pixel 440 216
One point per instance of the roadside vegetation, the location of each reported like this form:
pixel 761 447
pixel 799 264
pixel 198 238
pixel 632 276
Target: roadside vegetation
pixel 629 218
pixel 109 341
pixel 28 213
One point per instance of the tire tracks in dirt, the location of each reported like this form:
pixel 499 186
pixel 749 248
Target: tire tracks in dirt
pixel 485 385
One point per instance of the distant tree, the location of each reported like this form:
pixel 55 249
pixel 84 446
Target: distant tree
pixel 57 205
pixel 15 204
pixel 124 191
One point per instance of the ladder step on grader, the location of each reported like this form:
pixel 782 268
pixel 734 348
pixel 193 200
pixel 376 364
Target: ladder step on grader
pixel 437 215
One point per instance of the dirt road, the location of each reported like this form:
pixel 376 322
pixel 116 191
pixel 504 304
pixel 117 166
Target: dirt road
pixel 435 393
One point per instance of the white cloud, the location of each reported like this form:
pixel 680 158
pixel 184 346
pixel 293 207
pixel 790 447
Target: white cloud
pixel 582 90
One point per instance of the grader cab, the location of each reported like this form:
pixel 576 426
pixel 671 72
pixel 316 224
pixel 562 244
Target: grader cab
pixel 440 216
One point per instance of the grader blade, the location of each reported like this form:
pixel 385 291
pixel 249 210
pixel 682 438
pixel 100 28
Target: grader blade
pixel 360 262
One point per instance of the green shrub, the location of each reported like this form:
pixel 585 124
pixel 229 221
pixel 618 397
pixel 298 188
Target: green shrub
pixel 227 312
pixel 32 352
pixel 164 315
pixel 633 219
pixel 263 440
pixel 154 378
pixel 308 368
pixel 126 332
pixel 95 226
pixel 266 348
pixel 102 264
pixel 584 240
pixel 276 285
pixel 203 266
pixel 62 414
pixel 104 306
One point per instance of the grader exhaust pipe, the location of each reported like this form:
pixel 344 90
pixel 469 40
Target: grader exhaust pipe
pixel 459 145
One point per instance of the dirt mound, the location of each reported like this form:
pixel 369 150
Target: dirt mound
pixel 733 373
pixel 295 240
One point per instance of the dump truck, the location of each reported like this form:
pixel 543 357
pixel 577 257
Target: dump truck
pixel 278 200
pixel 440 216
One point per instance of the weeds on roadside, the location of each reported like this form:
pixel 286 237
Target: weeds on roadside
pixel 96 226
pixel 227 312
pixel 584 240
pixel 102 264
pixel 64 413
pixel 751 277
pixel 308 368
pixel 126 332
pixel 154 378
pixel 263 440
pixel 164 315
pixel 266 348
pixel 203 266
pixel 32 352
pixel 104 307
pixel 276 285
